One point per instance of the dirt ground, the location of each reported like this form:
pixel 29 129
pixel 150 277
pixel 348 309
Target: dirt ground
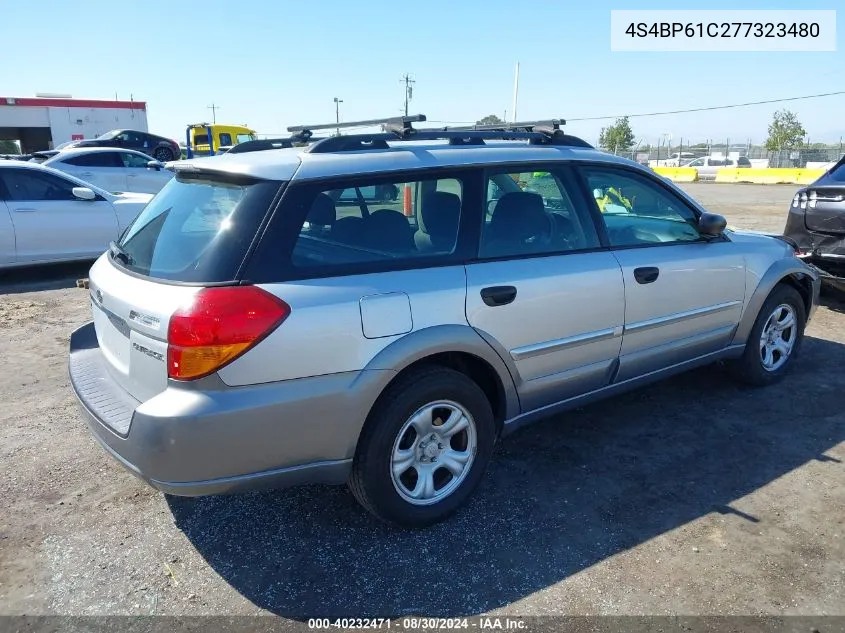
pixel 694 496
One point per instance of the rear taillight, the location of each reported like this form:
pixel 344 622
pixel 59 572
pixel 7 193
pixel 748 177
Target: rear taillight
pixel 219 325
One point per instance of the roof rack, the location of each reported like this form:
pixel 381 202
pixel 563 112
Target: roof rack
pixel 546 132
pixel 400 124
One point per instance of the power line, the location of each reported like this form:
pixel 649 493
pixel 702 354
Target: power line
pixel 707 109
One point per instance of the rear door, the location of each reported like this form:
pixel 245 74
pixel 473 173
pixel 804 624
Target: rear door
pixel 543 290
pixel 683 293
pixel 50 222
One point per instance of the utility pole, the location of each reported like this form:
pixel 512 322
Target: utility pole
pixel 409 90
pixel 515 92
pixel 337 103
pixel 214 108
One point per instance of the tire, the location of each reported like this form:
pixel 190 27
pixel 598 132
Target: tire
pixel 391 440
pixel 751 367
pixel 163 154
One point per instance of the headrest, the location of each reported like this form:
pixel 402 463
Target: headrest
pixel 323 212
pixel 441 213
pixel 518 215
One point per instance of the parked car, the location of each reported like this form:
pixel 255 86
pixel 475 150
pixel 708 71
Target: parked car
pixel 674 159
pixel 159 147
pixel 816 223
pixel 247 332
pixel 707 166
pixel 47 216
pixel 115 170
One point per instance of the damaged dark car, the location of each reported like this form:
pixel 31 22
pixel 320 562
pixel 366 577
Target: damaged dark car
pixel 816 224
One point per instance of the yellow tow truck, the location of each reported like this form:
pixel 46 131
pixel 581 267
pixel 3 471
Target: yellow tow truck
pixel 222 138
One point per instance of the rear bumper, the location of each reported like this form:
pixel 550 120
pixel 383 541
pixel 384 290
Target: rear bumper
pixel 207 438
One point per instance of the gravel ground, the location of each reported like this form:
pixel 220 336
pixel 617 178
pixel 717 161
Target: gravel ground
pixel 694 496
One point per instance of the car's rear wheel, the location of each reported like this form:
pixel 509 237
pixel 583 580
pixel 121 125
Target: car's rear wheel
pixel 163 155
pixel 775 338
pixel 424 448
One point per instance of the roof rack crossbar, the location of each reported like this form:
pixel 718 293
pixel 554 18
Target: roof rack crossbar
pixel 540 126
pixel 403 121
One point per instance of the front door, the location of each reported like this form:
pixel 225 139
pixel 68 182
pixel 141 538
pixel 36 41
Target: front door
pixel 53 224
pixel 542 292
pixel 683 293
pixel 102 168
pixel 139 177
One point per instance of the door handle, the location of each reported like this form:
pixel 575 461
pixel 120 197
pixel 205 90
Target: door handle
pixel 498 295
pixel 24 210
pixel 646 275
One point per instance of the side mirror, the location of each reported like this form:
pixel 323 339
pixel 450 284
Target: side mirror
pixel 712 224
pixel 154 164
pixel 84 193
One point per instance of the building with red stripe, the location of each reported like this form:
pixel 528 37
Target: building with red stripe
pixel 45 121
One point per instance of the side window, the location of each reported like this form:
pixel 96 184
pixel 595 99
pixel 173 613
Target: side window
pixel 638 211
pixel 131 138
pixel 83 160
pixel 374 222
pixel 26 185
pixel 225 138
pixel 107 159
pixel 96 159
pixel 200 139
pixel 533 213
pixel 133 160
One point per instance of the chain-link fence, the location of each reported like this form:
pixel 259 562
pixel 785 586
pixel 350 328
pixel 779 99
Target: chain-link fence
pixel 672 155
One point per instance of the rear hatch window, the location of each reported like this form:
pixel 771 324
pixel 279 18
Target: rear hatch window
pixel 197 229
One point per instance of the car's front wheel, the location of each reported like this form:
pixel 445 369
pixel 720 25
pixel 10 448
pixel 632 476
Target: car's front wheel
pixel 424 448
pixel 774 340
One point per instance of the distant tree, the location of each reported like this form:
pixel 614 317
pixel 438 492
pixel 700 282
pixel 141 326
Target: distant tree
pixel 618 137
pixel 785 131
pixel 9 147
pixel 490 119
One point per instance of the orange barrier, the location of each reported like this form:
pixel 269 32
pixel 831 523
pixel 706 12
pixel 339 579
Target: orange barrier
pixel 406 202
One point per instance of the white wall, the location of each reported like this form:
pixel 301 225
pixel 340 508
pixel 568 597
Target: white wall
pixel 91 122
pixel 17 116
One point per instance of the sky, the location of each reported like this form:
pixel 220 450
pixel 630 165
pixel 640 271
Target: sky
pixel 274 63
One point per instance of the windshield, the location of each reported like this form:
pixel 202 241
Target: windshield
pixel 196 229
pixel 108 135
pixel 838 172
pixel 243 138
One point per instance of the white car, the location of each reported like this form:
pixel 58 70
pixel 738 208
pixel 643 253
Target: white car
pixel 47 216
pixel 112 169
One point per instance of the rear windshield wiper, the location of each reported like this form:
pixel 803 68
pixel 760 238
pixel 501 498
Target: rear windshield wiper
pixel 118 253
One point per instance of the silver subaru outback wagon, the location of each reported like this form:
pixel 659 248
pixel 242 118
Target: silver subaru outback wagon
pixel 379 309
